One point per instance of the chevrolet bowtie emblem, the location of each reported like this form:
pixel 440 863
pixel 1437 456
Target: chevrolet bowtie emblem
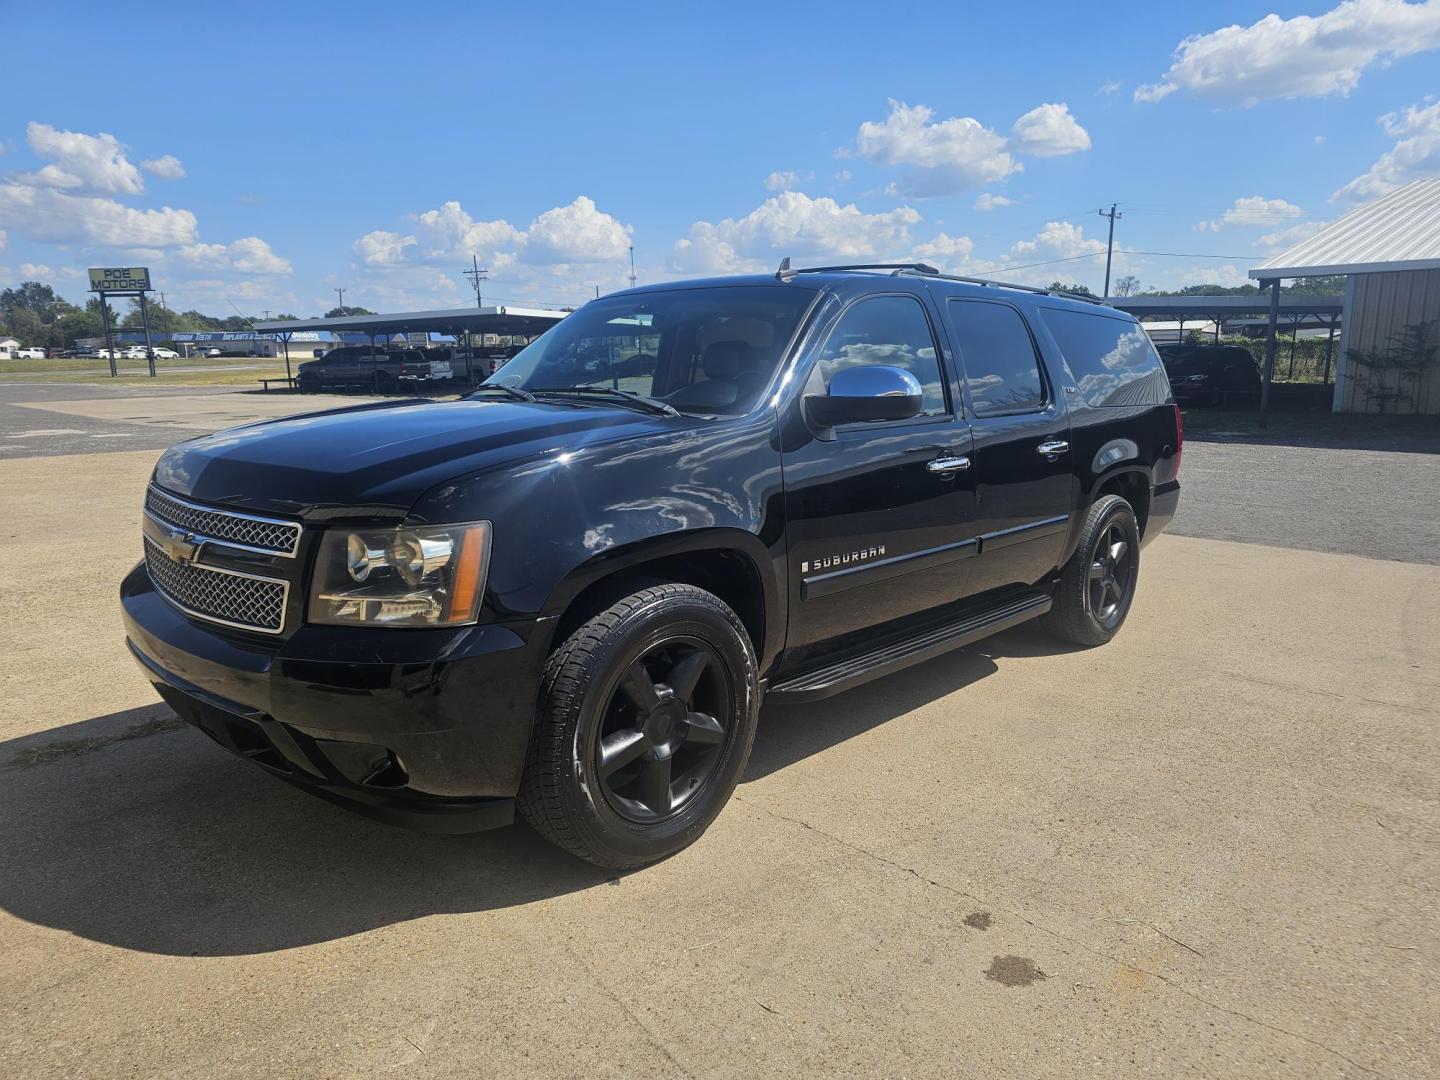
pixel 182 546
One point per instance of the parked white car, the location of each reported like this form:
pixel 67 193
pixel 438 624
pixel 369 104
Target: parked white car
pixel 166 354
pixel 29 354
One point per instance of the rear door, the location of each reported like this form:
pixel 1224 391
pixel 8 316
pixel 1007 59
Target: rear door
pixel 1025 483
pixel 879 528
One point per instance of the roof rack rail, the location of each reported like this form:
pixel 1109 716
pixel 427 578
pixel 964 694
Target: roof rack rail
pixel 1089 299
pixel 786 272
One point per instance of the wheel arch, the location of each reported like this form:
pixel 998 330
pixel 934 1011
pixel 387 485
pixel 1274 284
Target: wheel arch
pixel 731 563
pixel 1132 482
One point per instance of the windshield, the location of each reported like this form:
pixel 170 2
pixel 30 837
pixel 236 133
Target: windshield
pixel 698 350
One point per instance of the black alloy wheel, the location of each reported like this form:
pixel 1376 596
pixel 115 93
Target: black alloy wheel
pixel 1097 586
pixel 661 739
pixel 645 720
pixel 1111 576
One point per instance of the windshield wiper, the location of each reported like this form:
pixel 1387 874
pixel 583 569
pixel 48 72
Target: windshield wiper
pixel 649 404
pixel 509 391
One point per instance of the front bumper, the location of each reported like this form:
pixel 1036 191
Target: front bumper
pixel 427 728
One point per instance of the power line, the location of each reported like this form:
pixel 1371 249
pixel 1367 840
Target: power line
pixel 1118 251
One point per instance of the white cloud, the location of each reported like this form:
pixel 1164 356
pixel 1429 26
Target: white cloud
pixel 1416 154
pixel 1064 251
pixel 381 248
pixel 450 233
pixel 1250 212
pixel 843 176
pixel 943 158
pixel 1049 131
pixel 51 216
pixel 1109 87
pixel 561 256
pixel 987 201
pixel 1306 56
pixel 578 233
pixel 792 223
pixel 248 255
pixel 782 180
pixel 1058 238
pixel 167 167
pixel 1284 238
pixel 96 162
pixel 33 271
pixel 4 239
pixel 952 252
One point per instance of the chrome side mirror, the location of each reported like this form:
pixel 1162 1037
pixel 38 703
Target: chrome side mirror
pixel 867 392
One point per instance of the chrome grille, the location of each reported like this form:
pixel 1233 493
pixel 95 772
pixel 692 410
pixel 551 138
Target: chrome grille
pixel 228 527
pixel 222 596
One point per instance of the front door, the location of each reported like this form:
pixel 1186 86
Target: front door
pixel 1024 474
pixel 880 516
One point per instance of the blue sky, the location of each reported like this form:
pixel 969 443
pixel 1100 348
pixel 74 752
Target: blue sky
pixel 259 157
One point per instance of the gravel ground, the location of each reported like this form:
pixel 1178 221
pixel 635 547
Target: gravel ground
pixel 1380 504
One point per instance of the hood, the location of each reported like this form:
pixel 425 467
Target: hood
pixel 376 460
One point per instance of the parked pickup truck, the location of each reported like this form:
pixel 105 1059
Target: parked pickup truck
pixel 358 367
pixel 568 592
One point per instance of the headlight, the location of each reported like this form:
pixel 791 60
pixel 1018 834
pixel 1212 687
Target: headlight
pixel 427 576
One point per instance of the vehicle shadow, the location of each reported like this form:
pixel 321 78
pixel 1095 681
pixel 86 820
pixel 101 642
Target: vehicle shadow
pixel 791 733
pixel 133 830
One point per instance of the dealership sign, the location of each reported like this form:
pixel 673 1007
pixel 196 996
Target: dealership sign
pixel 119 279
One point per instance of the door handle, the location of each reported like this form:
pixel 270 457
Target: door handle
pixel 947 464
pixel 1052 446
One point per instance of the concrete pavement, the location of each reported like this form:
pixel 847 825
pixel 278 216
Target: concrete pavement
pixel 1208 848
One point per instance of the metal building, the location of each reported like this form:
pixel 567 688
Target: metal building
pixel 1389 251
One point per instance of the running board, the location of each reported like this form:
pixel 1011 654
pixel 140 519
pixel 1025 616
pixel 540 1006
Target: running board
pixel 898 655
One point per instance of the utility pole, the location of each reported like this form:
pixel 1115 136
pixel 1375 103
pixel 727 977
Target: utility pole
pixel 1109 247
pixel 632 266
pixel 476 275
pixel 341 294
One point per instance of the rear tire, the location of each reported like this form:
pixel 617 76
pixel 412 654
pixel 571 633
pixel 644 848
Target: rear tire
pixel 645 722
pixel 1097 585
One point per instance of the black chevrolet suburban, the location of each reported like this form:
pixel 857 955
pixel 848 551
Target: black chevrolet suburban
pixel 569 591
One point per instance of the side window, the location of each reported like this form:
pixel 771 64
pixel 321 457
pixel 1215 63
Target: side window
pixel 1001 368
pixel 1112 358
pixel 890 330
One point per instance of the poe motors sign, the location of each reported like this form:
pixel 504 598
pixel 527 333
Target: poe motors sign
pixel 119 279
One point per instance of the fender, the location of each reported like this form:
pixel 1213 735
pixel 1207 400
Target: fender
pixel 767 569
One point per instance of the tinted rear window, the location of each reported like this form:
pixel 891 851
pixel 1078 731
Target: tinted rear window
pixel 1112 359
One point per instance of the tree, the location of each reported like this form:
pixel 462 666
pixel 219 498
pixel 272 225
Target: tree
pixel 1081 290
pixel 30 296
pixel 344 310
pixel 1126 286
pixel 1408 353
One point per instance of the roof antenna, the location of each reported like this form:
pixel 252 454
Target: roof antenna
pixel 785 273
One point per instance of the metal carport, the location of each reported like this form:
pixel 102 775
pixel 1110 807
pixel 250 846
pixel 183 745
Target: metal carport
pixel 1326 310
pixel 466 322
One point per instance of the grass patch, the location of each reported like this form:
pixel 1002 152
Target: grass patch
pixel 45 753
pixel 215 371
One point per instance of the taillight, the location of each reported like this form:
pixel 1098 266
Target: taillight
pixel 1179 438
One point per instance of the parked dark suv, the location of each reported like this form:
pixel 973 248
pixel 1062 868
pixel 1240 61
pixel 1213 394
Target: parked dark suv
pixel 1211 374
pixel 358 367
pixel 569 592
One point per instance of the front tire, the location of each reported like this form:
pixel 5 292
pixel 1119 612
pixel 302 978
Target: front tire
pixel 646 718
pixel 1097 585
